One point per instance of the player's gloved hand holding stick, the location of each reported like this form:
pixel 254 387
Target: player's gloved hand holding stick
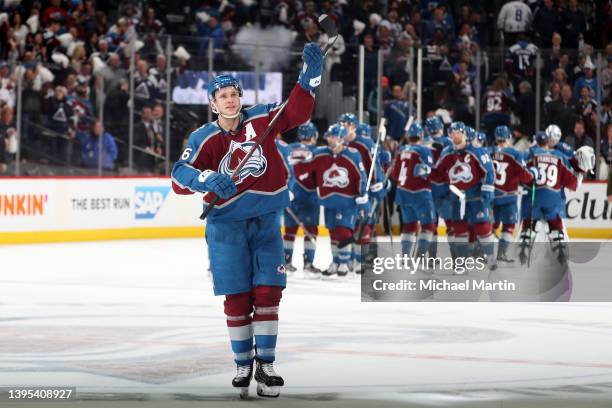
pixel 309 79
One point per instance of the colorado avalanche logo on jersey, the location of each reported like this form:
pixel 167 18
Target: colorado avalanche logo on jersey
pixel 255 166
pixel 336 177
pixel 460 173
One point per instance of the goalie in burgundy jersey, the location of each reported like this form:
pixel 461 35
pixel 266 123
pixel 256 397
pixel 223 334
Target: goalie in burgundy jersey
pixel 338 173
pixel 243 231
pixel 413 195
pixel 510 172
pixel 469 169
pixel 305 203
pixel 554 173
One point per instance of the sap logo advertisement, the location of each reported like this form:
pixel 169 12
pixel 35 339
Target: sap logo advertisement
pixel 148 201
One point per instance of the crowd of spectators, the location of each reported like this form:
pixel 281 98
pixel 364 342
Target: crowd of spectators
pixel 67 52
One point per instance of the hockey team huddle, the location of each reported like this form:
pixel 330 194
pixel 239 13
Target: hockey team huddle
pixel 476 189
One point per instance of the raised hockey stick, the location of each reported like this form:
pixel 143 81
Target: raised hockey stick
pixel 328 25
pixel 295 218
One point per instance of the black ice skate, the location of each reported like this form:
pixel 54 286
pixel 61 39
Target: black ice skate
pixel 524 249
pixel 268 382
pixel 343 269
pixel 288 265
pixel 503 257
pixel 558 246
pixel 333 268
pixel 309 267
pixel 242 380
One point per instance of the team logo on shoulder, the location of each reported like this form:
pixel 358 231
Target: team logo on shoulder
pixel 460 173
pixel 336 177
pixel 255 166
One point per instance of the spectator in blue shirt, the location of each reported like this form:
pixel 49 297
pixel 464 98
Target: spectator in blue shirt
pixel 211 30
pixel 91 147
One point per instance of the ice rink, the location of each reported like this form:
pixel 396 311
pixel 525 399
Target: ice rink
pixel 134 323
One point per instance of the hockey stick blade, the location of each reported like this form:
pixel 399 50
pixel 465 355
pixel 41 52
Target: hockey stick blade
pixel 329 27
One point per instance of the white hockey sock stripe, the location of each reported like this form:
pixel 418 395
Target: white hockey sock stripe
pixel 506 236
pixel 487 239
pixel 268 310
pixel 265 352
pixel 462 239
pixel 408 236
pixel 309 245
pixel 237 318
pixel 241 332
pixel 425 235
pixel 265 328
pixel 248 355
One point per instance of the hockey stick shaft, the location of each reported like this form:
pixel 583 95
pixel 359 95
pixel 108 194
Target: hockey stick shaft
pixel 258 141
pixel 531 223
pixel 295 218
pixel 332 32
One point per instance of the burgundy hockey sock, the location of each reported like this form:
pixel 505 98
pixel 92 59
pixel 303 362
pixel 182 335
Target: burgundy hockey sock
pixel 265 320
pixel 238 309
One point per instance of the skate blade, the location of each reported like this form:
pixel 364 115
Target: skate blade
pixel 312 274
pixel 244 393
pixel 267 392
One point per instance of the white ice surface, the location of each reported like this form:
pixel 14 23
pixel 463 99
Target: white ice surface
pixel 139 317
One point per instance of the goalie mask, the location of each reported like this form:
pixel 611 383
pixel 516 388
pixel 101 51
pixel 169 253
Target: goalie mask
pixel 585 156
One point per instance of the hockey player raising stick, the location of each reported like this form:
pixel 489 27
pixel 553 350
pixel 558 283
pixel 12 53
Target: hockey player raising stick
pixel 340 177
pixel 245 246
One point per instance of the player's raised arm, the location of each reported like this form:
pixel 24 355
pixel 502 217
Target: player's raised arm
pixel 301 99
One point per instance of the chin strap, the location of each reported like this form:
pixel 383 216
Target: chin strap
pixel 223 115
